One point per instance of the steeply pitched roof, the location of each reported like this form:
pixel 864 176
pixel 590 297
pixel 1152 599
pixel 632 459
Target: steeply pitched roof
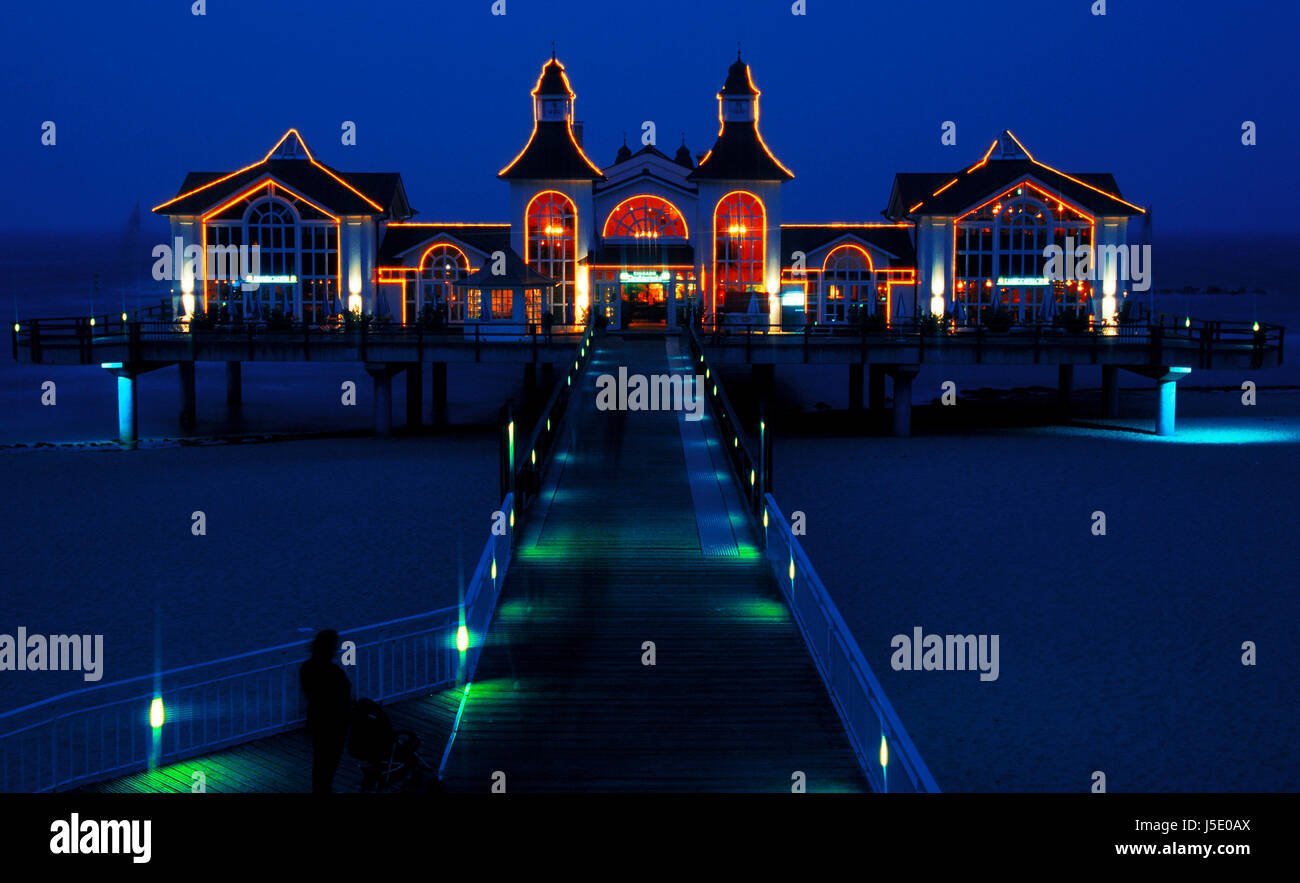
pixel 290 163
pixel 551 152
pixel 402 238
pixel 894 239
pixel 739 81
pixel 740 153
pixel 1004 164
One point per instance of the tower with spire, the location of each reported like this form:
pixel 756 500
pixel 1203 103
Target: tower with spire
pixel 552 178
pixel 740 161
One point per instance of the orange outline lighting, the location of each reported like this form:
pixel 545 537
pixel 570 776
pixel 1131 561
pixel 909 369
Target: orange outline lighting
pixel 871 265
pixel 262 161
pixel 749 75
pixel 713 230
pixel 681 218
pixel 568 121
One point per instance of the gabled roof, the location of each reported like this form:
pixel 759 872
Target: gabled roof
pixel 517 274
pixel 399 239
pixel 291 163
pixel 893 239
pixel 1005 163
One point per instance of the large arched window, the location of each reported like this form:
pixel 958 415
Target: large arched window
pixel 439 267
pixel 272 227
pixel 551 244
pixel 1000 261
pixel 846 280
pixel 739 233
pixel 645 217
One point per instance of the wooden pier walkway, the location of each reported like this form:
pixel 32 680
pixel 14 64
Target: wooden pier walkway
pixel 562 701
pixel 627 546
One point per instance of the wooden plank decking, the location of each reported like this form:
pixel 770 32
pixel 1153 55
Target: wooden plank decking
pixel 561 700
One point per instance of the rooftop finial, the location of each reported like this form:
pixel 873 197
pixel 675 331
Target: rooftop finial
pixel 552 50
pixel 737 50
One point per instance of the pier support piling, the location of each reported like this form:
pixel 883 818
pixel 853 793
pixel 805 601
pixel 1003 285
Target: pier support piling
pixel 876 387
pixel 1166 379
pixel 128 415
pixel 530 384
pixel 1064 388
pixel 855 387
pixel 903 377
pixel 438 408
pixel 414 395
pixel 189 414
pixel 234 390
pixel 1110 390
pixel 382 375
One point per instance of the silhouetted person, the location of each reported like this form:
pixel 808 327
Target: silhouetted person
pixel 329 705
pixel 548 320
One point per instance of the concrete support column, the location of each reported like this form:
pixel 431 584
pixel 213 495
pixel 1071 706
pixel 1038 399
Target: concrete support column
pixel 234 388
pixel 903 377
pixel 1166 394
pixel 438 411
pixel 128 416
pixel 1064 387
pixel 382 375
pixel 876 387
pixel 189 410
pixel 414 394
pixel 855 386
pixel 1110 390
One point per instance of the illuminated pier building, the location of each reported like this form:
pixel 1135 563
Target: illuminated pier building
pixel 650 235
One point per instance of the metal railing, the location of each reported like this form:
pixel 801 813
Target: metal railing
pixel 877 735
pixel 873 727
pixel 753 468
pixel 135 724
pixel 524 457
pixel 32 337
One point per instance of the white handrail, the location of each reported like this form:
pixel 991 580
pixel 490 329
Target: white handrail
pixel 868 716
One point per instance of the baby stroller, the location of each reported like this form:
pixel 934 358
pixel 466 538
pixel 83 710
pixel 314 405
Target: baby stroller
pixel 387 757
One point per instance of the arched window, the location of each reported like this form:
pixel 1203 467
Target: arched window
pixel 739 233
pixel 272 227
pixel 646 217
pixel 846 280
pixel 1000 259
pixel 440 266
pixel 551 244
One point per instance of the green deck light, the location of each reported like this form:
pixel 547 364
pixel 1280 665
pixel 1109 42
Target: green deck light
pixel 706 373
pixel 764 516
pixel 1254 327
pixel 532 455
pixel 156 713
pixel 512 516
pixel 884 752
pixel 548 424
pixel 791 570
pixel 735 442
pixel 1187 323
pixel 570 380
pixel 751 476
pixel 715 389
pixel 124 317
pixel 462 639
pixel 92 321
pixel 17 327
pixel 494 568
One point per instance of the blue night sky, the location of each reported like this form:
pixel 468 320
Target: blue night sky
pixel 1154 92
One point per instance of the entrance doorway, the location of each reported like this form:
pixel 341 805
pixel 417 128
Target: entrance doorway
pixel 644 304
